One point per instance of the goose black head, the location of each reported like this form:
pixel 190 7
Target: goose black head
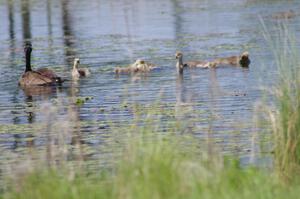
pixel 28 48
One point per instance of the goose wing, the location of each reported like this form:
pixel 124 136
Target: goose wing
pixel 50 74
pixel 83 72
pixel 47 72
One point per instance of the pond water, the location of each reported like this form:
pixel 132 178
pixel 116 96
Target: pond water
pixel 104 34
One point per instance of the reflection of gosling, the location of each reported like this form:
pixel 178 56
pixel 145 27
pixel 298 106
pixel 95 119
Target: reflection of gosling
pixel 138 66
pixel 191 64
pixel 241 60
pixel 76 72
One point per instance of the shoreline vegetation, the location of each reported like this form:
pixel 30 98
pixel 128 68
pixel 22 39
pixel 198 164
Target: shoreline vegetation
pixel 145 163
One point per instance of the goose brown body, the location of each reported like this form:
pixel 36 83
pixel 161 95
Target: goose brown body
pixel 47 72
pixel 33 78
pixel 50 74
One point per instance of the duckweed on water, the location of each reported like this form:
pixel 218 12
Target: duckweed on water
pixel 81 100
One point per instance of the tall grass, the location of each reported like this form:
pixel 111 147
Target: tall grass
pixel 285 114
pixel 160 169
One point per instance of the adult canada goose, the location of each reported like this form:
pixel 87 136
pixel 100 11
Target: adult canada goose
pixel 138 66
pixel 39 77
pixel 241 60
pixel 191 64
pixel 76 72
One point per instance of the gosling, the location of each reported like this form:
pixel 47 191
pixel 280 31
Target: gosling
pixel 241 60
pixel 191 64
pixel 76 72
pixel 139 65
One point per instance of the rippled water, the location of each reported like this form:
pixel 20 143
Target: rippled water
pixel 104 34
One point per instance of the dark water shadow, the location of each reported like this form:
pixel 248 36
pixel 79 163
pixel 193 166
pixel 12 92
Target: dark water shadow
pixel 50 31
pixel 11 28
pixel 26 20
pixel 68 35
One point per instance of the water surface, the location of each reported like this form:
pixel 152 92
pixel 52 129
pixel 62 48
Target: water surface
pixel 104 34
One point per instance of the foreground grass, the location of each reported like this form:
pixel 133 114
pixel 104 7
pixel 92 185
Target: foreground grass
pixel 160 169
pixel 161 177
pixel 284 116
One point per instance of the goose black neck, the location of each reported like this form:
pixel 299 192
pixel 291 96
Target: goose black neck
pixel 28 57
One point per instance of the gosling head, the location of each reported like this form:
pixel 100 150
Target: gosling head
pixel 213 64
pixel 76 61
pixel 178 55
pixel 117 70
pixel 245 55
pixel 139 64
pixel 244 59
pixel 140 61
